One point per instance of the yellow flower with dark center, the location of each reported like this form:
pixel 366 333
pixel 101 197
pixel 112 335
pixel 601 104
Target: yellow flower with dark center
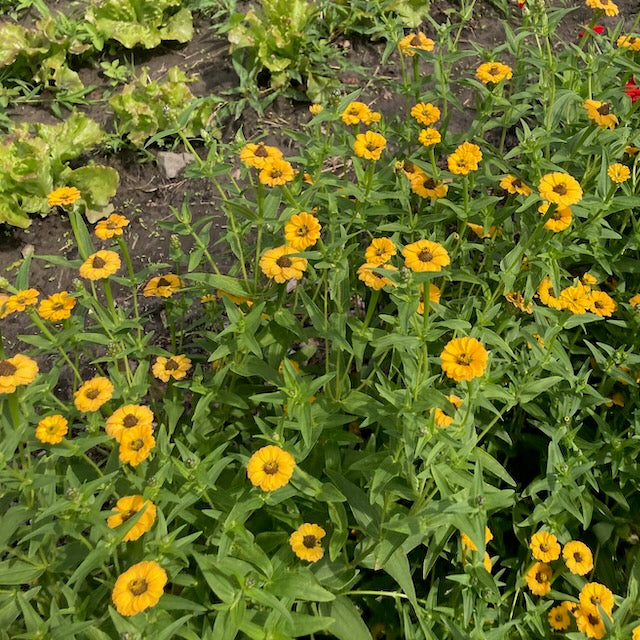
pixel 559 219
pixel 100 264
pixel 20 300
pixel 600 113
pixel 618 172
pixel 57 306
pixel 52 429
pixel 631 151
pixel 635 300
pixel 380 250
pixel 467 543
pixel 63 196
pixel 575 299
pixel 409 168
pixel 256 155
pixel 415 41
pixel 136 444
pixel 559 618
pixel 478 229
pixel 302 231
pixel 17 371
pixel 569 605
pixel 547 295
pixel 93 394
pixel 560 188
pixel 127 417
pixel 425 255
pixel 518 301
pixel 441 419
pixel 375 280
pixel 464 159
pixel 270 468
pixel 315 109
pixel 464 359
pixel 369 145
pixel 429 137
pixel 276 172
pixel 426 187
pixel 578 557
pixel 162 286
pixel 139 588
pixel 434 296
pixel 357 112
pixel 513 185
pixel 235 299
pixel 425 113
pixel 602 304
pixel 281 265
pixel 629 42
pixel 539 579
pixel 594 595
pixel 305 542
pixel 590 623
pixel 609 7
pixel 544 546
pixel 175 367
pixel 126 508
pixel 493 72
pixel 111 227
pixel 587 279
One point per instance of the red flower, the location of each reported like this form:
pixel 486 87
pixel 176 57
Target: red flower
pixel 520 5
pixel 598 28
pixel 632 90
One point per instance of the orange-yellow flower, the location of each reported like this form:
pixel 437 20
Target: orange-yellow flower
pixel 369 145
pixel 281 265
pixel 270 468
pixel 276 172
pixel 415 41
pixel 57 306
pixel 464 359
pixel 139 588
pixel 63 196
pixel 126 508
pixel 17 371
pixel 112 227
pixel 305 542
pixel 255 155
pixel 52 429
pixel 425 113
pixel 302 231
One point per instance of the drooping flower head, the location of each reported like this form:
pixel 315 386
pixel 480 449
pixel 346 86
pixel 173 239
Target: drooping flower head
pixel 270 468
pixel 162 286
pixel 427 187
pixel 256 155
pixel 17 371
pixel 600 113
pixel 513 185
pixel 607 6
pixel 375 280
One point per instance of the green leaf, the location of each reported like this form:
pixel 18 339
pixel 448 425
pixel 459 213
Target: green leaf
pixel 348 623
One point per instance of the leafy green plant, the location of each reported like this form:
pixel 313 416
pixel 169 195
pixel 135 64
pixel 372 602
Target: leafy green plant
pixel 34 161
pixel 143 23
pixel 148 107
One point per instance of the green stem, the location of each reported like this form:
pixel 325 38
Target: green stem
pixel 134 286
pixel 45 331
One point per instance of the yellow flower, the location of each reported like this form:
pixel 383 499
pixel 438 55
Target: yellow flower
pixel 357 112
pixel 305 542
pixel 380 250
pixel 139 588
pixel 636 633
pixel 426 187
pixel 425 113
pixel 493 72
pixel 618 172
pixel 270 468
pixel 559 219
pixel 57 307
pixel 315 109
pixel 175 367
pixel 588 279
pixel 93 394
pixel 594 595
pixel 100 264
pixel 415 41
pixel 600 113
pixel 63 196
pixel 425 255
pixel 236 299
pixel 609 7
pixel 162 286
pixel 615 398
pixel 464 359
pixel 629 149
pixel 434 296
pixel 302 231
pixel 52 429
pixel 518 301
pixel 409 168
pixel 20 300
pixel 276 172
pixel 560 188
pixel 127 417
pixel 126 508
pixel 111 227
pixel 544 546
pixel 369 145
pixel 512 185
pixel 590 623
pixel 441 419
pixel 17 371
pixel 547 295
pixel 136 444
pixel 487 562
pixel 602 303
pixel 559 618
pixel 578 557
pixel 256 155
pixel 468 543
pixel 464 159
pixel 629 42
pixel 539 579
pixel 280 265
pixel 373 279
pixel 478 229
pixel 576 299
pixel 429 137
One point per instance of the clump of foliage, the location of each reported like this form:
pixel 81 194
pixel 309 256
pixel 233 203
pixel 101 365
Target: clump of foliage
pixel 34 160
pixel 141 23
pixel 148 107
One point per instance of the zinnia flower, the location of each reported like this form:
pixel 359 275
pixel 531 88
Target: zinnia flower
pixel 636 633
pixel 57 307
pixel 63 196
pixel 493 72
pixel 276 172
pixel 602 304
pixel 369 145
pixel 429 137
pixel 270 468
pixel 93 394
pixel 425 113
pixel 175 367
pixel 559 219
pixel 139 588
pixel 594 595
pixel 464 359
pixel 560 188
pixel 600 113
pixel 256 155
pixel 434 296
pixel 578 557
pixel 100 264
pixel 629 42
pixel 464 159
pixel 544 546
pixel 302 231
pixel 126 508
pixel 17 371
pixel 590 623
pixel 512 185
pixel 20 300
pixel 357 112
pixel 111 227
pixel 315 109
pixel 559 618
pixel 281 265
pixel 162 286
pixel 426 187
pixel 618 172
pixel 468 543
pixel 127 417
pixel 305 542
pixel 380 250
pixel 576 299
pixel 136 444
pixel 539 579
pixel 415 41
pixel 52 429
pixel 547 294
pixel 425 255
pixel 609 7
pixel 373 279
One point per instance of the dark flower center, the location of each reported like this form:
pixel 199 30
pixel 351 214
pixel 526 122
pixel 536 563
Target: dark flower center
pixel 464 359
pixel 494 71
pixel 603 110
pixel 111 225
pixel 593 620
pixel 556 215
pixel 560 189
pixel 541 577
pixel 425 256
pixel 371 146
pixel 302 230
pixel 98 262
pixel 276 173
pixel 429 183
pixel 129 421
pixel 516 183
pixel 409 167
pixel 283 262
pixel 57 306
pixel 577 556
pixel 138 586
pixel 543 547
pixel 171 365
pixel 128 514
pixel 163 282
pixel 92 394
pixel 7 369
pixel 309 541
pixel 261 151
pixel 137 444
pixel 271 467
pixel 415 41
